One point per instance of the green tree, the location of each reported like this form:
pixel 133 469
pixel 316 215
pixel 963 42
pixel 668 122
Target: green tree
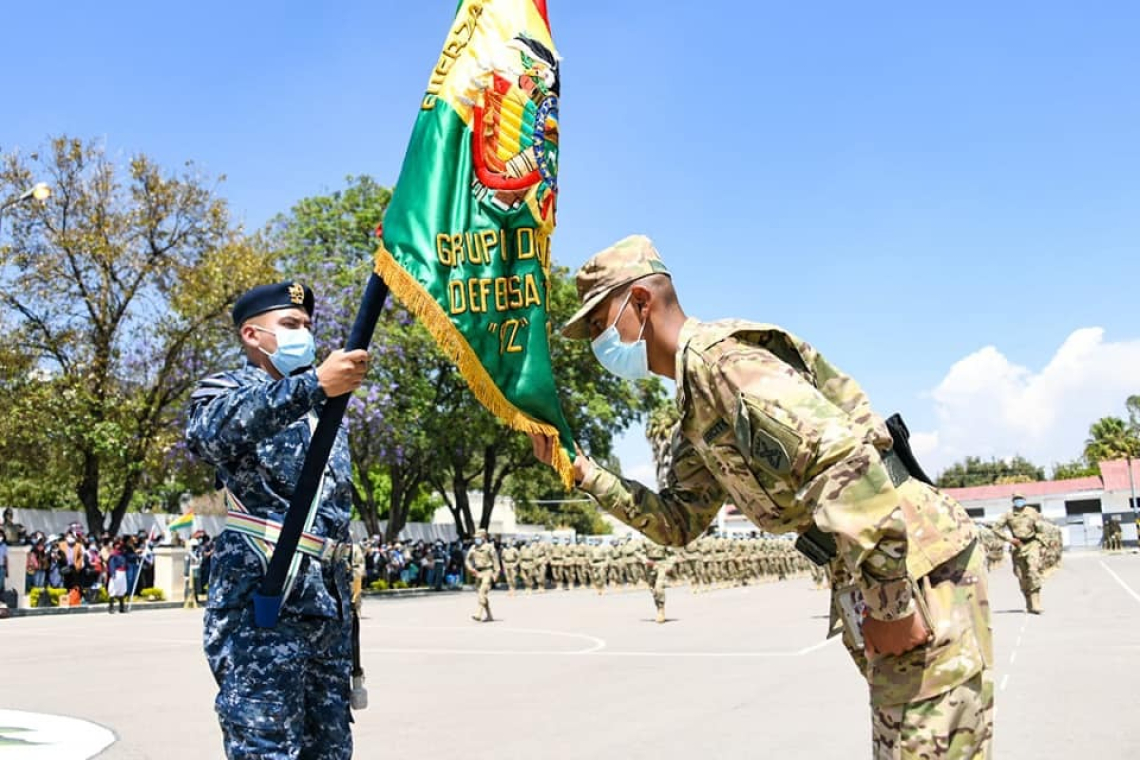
pixel 1078 468
pixel 415 426
pixel 1132 404
pixel 329 240
pixel 1111 438
pixel 118 288
pixel 975 471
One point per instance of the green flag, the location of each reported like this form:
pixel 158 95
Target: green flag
pixel 466 239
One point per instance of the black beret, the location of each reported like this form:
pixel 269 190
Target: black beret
pixel 263 298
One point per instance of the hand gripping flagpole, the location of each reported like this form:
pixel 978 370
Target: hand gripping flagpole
pixel 268 598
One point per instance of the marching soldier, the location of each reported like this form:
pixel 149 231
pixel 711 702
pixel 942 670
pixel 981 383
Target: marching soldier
pixel 1025 528
pixel 510 557
pixel 283 692
pixel 482 562
pixel 769 423
pixel 527 561
pixel 542 556
pixel 600 555
pixel 657 566
pixel 558 565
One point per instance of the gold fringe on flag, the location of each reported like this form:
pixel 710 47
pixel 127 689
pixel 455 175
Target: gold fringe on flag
pixel 456 348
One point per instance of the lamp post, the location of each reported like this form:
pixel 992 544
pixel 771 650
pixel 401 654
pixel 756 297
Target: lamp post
pixel 40 191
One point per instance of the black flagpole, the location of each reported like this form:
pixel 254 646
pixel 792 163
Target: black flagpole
pixel 267 599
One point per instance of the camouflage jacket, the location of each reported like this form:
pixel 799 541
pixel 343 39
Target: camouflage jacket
pixel 483 559
pixel 1023 524
pixel 769 423
pixel 255 431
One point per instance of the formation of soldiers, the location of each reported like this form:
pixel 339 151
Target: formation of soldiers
pixel 603 563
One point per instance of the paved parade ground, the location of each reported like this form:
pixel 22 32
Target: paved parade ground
pixel 736 673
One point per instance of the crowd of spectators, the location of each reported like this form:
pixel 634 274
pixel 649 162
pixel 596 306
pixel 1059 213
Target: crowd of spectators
pixel 83 566
pixel 436 565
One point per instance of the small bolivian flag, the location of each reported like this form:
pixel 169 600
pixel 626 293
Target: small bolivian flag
pixel 465 243
pixel 183 521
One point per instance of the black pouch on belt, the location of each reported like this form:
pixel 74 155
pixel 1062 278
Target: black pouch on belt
pixel 901 448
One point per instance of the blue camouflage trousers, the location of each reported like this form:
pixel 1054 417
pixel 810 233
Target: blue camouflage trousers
pixel 284 691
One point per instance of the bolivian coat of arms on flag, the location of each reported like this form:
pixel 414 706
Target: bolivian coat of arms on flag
pixel 466 238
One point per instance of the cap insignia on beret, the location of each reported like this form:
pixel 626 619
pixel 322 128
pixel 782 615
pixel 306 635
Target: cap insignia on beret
pixel 297 293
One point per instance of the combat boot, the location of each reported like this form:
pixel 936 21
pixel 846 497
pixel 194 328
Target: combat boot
pixel 1035 603
pixel 660 614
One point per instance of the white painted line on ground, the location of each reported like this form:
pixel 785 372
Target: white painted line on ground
pixel 1013 657
pixel 597 650
pixel 1120 580
pixel 596 644
pixel 29 735
pixel 1004 681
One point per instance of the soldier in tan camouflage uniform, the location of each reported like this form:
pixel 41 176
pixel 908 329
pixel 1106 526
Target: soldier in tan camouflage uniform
pixel 658 563
pixel 526 565
pixel 510 557
pixel 1026 529
pixel 558 571
pixel 769 423
pixel 483 564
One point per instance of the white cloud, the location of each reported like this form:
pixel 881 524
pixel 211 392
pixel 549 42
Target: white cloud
pixel 990 407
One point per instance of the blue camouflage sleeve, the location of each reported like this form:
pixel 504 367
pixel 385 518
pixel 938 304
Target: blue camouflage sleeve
pixel 229 418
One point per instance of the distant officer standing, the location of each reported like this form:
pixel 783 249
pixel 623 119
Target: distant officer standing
pixel 283 692
pixel 769 423
pixel 1024 528
pixel 483 564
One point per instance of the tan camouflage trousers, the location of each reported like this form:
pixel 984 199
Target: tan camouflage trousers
pixel 599 576
pixel 957 725
pixel 511 575
pixel 485 581
pixel 528 577
pixel 658 573
pixel 1027 567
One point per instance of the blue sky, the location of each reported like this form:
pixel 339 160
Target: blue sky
pixel 904 185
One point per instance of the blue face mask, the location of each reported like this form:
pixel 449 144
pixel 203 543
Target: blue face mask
pixel 629 361
pixel 295 349
pixel 1018 503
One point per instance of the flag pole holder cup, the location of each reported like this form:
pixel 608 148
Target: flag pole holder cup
pixel 266 610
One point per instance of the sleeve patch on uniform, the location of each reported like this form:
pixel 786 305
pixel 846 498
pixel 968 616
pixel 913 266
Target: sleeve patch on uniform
pixel 716 431
pixel 770 445
pixel 770 452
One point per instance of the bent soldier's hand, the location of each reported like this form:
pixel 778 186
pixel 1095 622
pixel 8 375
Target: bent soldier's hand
pixel 1015 541
pixel 895 636
pixel 342 372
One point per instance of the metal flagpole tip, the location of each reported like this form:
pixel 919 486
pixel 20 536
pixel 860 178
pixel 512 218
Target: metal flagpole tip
pixel 265 610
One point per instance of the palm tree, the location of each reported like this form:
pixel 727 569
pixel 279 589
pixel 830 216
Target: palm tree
pixel 1111 438
pixel 659 431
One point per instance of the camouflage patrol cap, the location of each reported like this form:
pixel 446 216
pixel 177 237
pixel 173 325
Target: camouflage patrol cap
pixel 623 262
pixel 1017 496
pixel 480 533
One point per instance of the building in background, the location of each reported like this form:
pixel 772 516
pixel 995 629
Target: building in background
pixel 1080 506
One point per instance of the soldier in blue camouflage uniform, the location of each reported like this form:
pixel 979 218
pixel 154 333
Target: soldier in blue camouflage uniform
pixel 284 691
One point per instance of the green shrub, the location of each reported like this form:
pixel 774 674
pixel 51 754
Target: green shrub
pixel 380 585
pixel 400 584
pixel 53 596
pixel 153 594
